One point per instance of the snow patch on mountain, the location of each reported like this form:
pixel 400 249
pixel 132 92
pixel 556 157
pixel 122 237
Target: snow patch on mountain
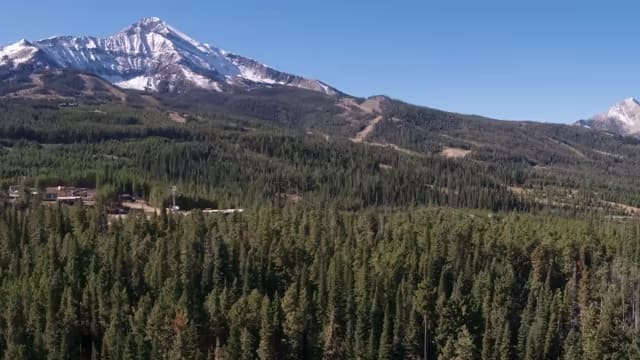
pixel 17 53
pixel 137 83
pixel 152 55
pixel 626 111
pixel 255 76
pixel 622 118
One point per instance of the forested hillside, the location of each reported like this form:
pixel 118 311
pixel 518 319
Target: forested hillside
pixel 297 282
pixel 523 244
pixel 229 160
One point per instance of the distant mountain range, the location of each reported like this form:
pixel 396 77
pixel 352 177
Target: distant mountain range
pixel 149 55
pixel 150 67
pixel 154 57
pixel 622 118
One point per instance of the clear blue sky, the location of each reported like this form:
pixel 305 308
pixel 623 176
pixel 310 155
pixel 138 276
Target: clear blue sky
pixel 539 60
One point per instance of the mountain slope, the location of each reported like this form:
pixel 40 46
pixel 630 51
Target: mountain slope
pixel 622 118
pixel 151 55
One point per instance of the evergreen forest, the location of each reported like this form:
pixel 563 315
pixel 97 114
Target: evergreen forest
pixel 344 250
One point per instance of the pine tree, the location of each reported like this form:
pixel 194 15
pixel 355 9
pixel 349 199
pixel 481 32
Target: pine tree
pixel 505 351
pixel 399 324
pixel 464 347
pixel 572 346
pixel 186 343
pixel 293 325
pixel 448 351
pixel 422 304
pixel 376 316
pixel 247 341
pixel 15 336
pixel 266 346
pixel 551 346
pixel 362 326
pixel 69 323
pixel 385 349
pixel 413 336
pixel 115 338
pixel 52 330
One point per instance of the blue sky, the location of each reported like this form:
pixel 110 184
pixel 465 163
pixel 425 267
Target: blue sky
pixel 554 61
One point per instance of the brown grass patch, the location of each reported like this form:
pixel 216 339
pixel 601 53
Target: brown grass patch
pixel 455 153
pixel 177 117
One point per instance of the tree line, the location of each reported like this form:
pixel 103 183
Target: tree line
pixel 303 282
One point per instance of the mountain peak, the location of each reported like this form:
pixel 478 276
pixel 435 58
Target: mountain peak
pixel 631 101
pixel 18 53
pixel 148 25
pixel 622 118
pixel 153 55
pixel 23 42
pixel 151 19
pixel 627 110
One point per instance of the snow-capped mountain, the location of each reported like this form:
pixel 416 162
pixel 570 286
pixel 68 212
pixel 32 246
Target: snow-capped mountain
pixel 18 53
pixel 622 118
pixel 25 56
pixel 150 55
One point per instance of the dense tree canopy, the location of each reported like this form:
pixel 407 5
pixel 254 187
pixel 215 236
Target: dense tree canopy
pixel 231 161
pixel 344 251
pixel 299 282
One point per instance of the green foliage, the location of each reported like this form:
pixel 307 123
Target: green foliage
pixel 445 283
pixel 345 250
pixel 225 161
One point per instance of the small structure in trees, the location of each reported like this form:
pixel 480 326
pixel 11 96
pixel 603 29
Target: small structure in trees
pixel 70 195
pixel 14 192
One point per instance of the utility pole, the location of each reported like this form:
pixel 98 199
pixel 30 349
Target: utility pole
pixel 174 189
